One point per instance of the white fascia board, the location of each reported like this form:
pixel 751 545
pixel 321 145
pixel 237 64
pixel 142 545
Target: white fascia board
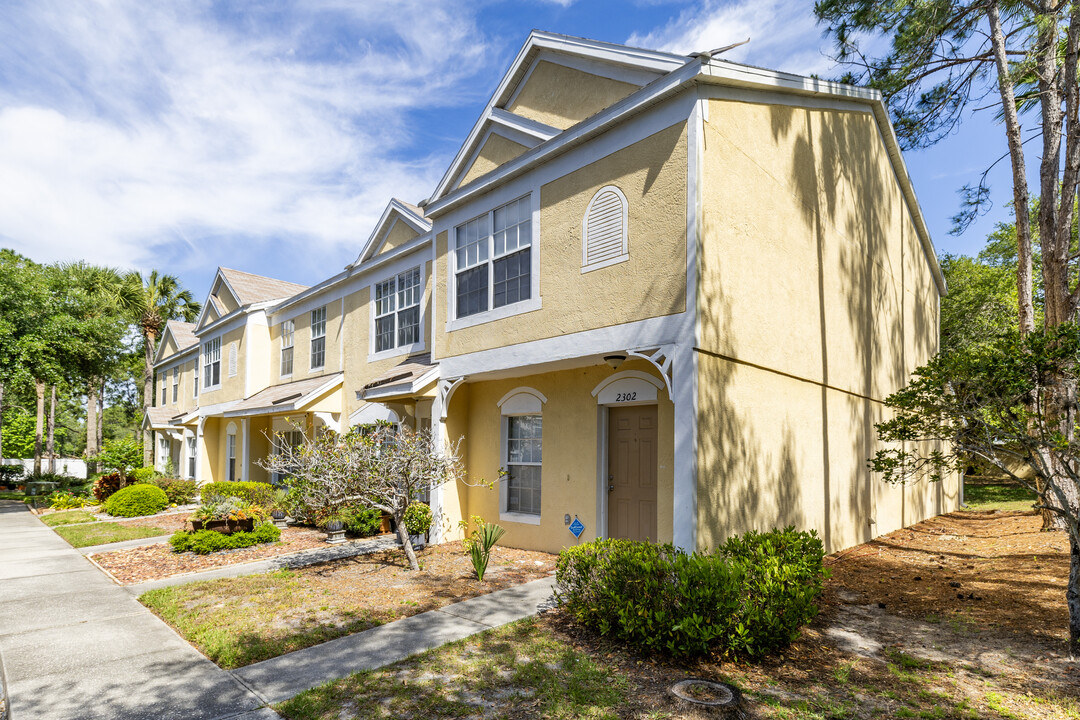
pixel 635 102
pixel 402 388
pixel 421 225
pixel 176 358
pixel 216 409
pixel 538 130
pixel 330 384
pixel 232 290
pixel 310 292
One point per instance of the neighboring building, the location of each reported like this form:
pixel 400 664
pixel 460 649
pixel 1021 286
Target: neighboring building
pixel 665 294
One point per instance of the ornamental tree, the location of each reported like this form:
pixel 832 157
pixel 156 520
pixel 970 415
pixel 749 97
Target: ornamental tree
pixel 996 402
pixel 122 455
pixel 385 468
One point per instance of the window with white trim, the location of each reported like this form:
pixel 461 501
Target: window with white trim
pixel 493 259
pixel 524 440
pixel 164 387
pixel 192 456
pixel 230 456
pixel 288 327
pixel 175 384
pixel 318 337
pixel 397 310
pixel 604 234
pixel 212 363
pixel 195 387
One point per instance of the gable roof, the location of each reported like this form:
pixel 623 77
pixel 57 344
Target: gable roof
pixel 246 289
pixel 635 66
pixel 285 398
pixel 183 335
pixel 396 209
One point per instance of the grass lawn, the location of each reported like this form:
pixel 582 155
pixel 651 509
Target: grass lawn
pixel 101 533
pixel 518 666
pixel 12 496
pixel 1008 498
pixel 68 517
pixel 239 621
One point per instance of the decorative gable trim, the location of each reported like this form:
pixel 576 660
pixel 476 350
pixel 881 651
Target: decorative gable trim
pixel 395 211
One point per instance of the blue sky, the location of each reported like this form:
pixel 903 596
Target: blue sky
pixel 269 136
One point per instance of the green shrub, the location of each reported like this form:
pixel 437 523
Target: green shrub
pixel 255 493
pixel 362 521
pixel 143 475
pixel 136 501
pixel 748 598
pixel 10 474
pixel 178 490
pixel 63 500
pixel 417 518
pixel 204 542
pixel 105 486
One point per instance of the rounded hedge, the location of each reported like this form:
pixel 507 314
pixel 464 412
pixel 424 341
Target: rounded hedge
pixel 136 501
pixel 204 542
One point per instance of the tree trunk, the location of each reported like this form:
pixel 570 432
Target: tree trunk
pixel 1 423
pixel 406 543
pixel 1020 188
pixel 92 448
pixel 1072 594
pixel 101 416
pixel 50 446
pixel 148 394
pixel 39 388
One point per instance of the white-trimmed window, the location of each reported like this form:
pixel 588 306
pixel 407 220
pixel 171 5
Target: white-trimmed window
pixel 230 456
pixel 288 327
pixel 493 259
pixel 164 387
pixel 397 310
pixel 318 337
pixel 604 233
pixel 163 453
pixel 195 385
pixel 212 364
pixel 522 455
pixel 192 456
pixel 175 384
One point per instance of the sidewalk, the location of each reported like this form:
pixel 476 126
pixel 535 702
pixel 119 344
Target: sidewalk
pixel 74 646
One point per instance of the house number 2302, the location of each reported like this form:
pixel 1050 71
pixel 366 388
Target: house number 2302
pixel 625 397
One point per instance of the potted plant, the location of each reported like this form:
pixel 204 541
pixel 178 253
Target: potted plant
pixel 418 522
pixel 225 515
pixel 335 530
pixel 278 516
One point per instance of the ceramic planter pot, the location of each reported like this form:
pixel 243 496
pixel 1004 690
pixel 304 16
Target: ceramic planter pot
pixel 225 527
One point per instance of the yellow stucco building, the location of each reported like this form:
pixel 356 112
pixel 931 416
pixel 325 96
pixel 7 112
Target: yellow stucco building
pixel 664 295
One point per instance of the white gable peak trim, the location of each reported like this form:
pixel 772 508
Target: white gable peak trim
pixel 394 211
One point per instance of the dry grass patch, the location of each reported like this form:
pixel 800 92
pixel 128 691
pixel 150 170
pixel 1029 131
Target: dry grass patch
pixel 238 621
pixel 101 533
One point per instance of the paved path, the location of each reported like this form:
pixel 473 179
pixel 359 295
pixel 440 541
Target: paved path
pixel 74 646
pixel 298 559
pixel 282 677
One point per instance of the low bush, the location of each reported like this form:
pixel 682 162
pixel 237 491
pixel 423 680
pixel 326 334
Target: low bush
pixel 105 486
pixel 362 521
pixel 63 500
pixel 204 542
pixel 143 475
pixel 178 490
pixel 136 501
pixel 10 474
pixel 255 493
pixel 748 598
pixel 217 507
pixel 417 518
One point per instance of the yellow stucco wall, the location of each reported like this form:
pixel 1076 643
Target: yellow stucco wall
pixel 570 444
pixel 560 96
pixel 302 342
pixel 399 234
pixel 231 388
pixel 817 301
pixel 652 175
pixel 495 151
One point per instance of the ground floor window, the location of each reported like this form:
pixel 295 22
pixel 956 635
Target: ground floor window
pixel 523 460
pixel 230 456
pixel 192 450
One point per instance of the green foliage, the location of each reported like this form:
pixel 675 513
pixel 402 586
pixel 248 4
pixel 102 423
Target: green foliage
pixel 227 507
pixel 136 501
pixel 121 455
pixel 362 521
pixel 144 474
pixel 18 434
pixel 10 474
pixel 417 518
pixel 106 485
pixel 204 542
pixel 981 303
pixel 180 491
pixel 255 493
pixel 478 544
pixel 63 500
pixel 748 598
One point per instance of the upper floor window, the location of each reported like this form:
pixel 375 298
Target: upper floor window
pixel 175 384
pixel 164 387
pixel 195 377
pixel 397 310
pixel 318 337
pixel 212 363
pixel 604 239
pixel 493 258
pixel 287 329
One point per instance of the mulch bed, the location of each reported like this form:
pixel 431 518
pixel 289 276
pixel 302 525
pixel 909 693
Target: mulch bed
pixel 171 523
pixel 153 562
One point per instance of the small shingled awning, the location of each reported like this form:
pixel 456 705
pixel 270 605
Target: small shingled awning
pixel 290 397
pixel 404 380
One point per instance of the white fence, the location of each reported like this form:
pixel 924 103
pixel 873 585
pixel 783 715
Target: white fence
pixel 72 467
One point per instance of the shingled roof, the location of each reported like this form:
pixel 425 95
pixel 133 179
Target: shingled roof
pixel 183 333
pixel 250 288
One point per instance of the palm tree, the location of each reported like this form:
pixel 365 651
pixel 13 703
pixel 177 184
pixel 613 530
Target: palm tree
pixel 151 302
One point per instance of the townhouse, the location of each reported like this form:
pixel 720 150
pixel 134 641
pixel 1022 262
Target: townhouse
pixel 662 296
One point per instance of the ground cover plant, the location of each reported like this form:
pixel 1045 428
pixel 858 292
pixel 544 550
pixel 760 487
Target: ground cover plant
pixel 1007 498
pixel 102 533
pixel 68 517
pixel 925 654
pixel 204 542
pixel 238 621
pixel 136 501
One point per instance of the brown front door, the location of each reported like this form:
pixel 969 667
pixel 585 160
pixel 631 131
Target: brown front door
pixel 632 470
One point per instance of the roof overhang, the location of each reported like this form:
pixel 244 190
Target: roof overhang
pixel 409 387
pixel 297 402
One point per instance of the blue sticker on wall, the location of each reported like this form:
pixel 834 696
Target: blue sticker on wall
pixel 577 527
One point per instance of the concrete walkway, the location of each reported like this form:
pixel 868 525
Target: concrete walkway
pixel 74 646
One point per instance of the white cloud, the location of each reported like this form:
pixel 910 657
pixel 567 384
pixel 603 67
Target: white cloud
pixel 783 35
pixel 132 130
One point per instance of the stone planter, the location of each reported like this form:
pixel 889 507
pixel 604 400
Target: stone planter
pixel 279 519
pixel 225 527
pixel 335 532
pixel 418 541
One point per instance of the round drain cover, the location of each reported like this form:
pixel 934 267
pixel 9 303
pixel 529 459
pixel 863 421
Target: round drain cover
pixel 706 692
